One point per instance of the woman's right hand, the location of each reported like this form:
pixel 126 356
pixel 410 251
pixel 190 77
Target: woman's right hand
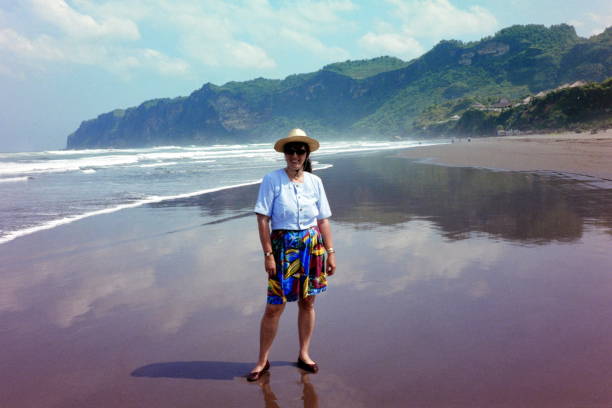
pixel 270 265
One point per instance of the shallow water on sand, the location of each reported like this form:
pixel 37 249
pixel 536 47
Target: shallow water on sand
pixel 455 288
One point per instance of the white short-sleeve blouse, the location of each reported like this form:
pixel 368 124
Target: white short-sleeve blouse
pixel 291 205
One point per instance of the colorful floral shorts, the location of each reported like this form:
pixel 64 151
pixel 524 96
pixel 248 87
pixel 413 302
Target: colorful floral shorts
pixel 300 265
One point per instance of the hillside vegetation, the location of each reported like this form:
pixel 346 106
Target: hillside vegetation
pixel 587 107
pixel 382 97
pixel 366 68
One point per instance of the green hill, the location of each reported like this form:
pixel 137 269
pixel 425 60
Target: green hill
pixel 381 97
pixel 570 108
pixel 366 68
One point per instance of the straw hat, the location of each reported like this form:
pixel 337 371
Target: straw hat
pixel 296 135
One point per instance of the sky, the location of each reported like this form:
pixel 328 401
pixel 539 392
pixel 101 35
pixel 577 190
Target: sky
pixel 65 61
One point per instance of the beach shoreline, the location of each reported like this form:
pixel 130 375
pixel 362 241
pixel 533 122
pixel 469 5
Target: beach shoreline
pixel 161 303
pixel 573 153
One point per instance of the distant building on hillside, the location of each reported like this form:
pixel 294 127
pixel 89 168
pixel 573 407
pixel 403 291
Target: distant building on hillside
pixel 503 103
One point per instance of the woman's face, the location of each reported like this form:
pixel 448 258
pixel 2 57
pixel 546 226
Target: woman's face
pixel 295 155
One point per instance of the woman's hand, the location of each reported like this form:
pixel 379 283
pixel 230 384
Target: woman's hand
pixel 331 264
pixel 263 225
pixel 270 266
pixel 325 229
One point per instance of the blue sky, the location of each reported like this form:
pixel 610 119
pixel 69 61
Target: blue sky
pixel 64 61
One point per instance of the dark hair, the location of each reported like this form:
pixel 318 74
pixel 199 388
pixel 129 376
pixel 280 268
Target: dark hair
pixel 307 163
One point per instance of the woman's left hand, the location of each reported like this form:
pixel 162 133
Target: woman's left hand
pixel 331 264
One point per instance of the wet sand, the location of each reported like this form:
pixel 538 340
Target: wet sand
pixel 583 154
pixel 456 287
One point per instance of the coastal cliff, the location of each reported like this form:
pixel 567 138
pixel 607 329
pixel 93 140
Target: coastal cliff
pixel 381 97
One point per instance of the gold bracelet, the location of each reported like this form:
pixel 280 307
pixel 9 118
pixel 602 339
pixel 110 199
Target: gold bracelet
pixel 331 251
pixel 268 253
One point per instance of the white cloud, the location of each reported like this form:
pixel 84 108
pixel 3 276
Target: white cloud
pixel 310 43
pixel 213 41
pixel 11 40
pixel 597 23
pixel 151 59
pixel 425 21
pixel 125 38
pixel 140 281
pixel 250 56
pixel 440 19
pixel 430 257
pixel 391 44
pixel 591 23
pixel 315 13
pixel 245 34
pixel 69 36
pixel 97 288
pixel 69 20
pixel 31 52
pixel 39 48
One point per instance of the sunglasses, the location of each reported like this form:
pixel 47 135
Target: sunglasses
pixel 290 151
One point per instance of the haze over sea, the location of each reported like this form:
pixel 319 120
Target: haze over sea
pixel 41 190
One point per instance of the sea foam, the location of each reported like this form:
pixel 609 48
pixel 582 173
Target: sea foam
pixel 148 200
pixel 101 181
pixel 14 179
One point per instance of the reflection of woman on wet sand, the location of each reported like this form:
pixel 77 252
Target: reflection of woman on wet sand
pixel 309 395
pixel 298 252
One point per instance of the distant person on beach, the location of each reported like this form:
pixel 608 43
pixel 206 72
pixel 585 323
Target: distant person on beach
pixel 292 217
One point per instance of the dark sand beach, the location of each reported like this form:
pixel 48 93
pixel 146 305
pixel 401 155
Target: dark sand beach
pixel 580 154
pixel 456 287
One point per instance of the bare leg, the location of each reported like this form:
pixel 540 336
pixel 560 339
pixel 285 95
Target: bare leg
pixel 306 323
pixel 270 399
pixel 309 395
pixel 267 332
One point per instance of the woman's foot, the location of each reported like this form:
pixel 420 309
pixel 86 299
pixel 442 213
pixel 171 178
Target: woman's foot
pixel 307 364
pixel 305 357
pixel 257 373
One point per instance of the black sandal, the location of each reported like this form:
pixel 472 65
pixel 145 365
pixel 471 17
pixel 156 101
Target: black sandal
pixel 256 375
pixel 311 368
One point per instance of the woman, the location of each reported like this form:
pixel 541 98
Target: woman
pixel 298 253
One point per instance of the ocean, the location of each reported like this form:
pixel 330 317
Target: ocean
pixel 42 190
